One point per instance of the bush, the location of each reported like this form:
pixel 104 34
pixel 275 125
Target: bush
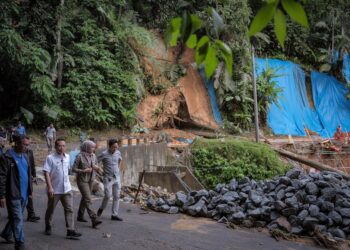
pixel 220 160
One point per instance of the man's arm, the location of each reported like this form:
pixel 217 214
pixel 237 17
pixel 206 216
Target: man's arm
pixel 47 169
pixel 32 162
pixel 3 177
pixel 48 183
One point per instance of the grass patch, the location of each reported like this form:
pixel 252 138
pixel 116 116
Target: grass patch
pixel 220 160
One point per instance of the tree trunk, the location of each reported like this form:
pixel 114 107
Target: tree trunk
pixel 59 46
pixel 311 163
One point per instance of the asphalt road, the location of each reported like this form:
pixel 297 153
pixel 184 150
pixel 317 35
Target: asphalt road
pixel 142 231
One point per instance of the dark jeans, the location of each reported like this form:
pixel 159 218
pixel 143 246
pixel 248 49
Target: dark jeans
pixel 14 226
pixel 30 207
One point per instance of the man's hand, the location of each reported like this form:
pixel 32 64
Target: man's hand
pixel 35 180
pixel 87 170
pixel 50 192
pixel 96 168
pixel 2 202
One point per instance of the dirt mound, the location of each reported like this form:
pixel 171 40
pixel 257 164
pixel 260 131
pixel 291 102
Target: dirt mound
pixel 158 111
pixel 188 102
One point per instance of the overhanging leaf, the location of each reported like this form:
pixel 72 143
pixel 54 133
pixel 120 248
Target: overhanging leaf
pixel 280 27
pixel 201 49
pixel 173 31
pixel 27 115
pixel 196 23
pixel 211 62
pixel 186 26
pixel 226 54
pixel 218 22
pixel 296 11
pixel 192 41
pixel 262 18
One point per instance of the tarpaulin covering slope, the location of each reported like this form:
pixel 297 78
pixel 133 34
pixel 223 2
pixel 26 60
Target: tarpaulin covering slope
pixel 292 112
pixel 209 84
pixel 346 67
pixel 333 108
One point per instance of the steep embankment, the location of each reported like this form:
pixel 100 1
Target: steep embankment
pixel 186 100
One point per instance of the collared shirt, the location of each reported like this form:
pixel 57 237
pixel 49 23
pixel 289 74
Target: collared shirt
pixel 110 163
pixel 21 130
pixel 22 166
pixel 57 167
pixel 50 132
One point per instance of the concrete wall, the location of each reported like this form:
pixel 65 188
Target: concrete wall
pixel 167 180
pixel 190 180
pixel 141 157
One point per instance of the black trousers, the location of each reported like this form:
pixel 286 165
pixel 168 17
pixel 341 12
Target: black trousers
pixel 30 207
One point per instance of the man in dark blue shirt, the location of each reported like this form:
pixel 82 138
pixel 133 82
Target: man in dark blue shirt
pixel 15 188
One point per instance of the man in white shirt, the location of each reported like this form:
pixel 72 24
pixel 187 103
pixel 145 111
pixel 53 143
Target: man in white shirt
pixel 50 134
pixel 59 188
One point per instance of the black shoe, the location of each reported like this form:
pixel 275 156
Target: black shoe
pixel 95 223
pixel 48 230
pixel 116 217
pixel 81 219
pixel 73 235
pixel 99 212
pixel 33 218
pixel 8 240
pixel 20 247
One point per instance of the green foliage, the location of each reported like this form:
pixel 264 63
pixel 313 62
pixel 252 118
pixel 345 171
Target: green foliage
pixel 271 9
pixel 102 77
pixel 220 160
pixel 267 91
pixel 209 49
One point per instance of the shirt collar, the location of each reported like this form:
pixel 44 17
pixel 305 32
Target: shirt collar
pixel 58 155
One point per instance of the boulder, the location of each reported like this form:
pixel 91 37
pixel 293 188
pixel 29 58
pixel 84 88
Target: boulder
pixel 311 188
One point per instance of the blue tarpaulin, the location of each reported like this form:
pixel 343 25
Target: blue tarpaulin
pixel 292 112
pixel 346 67
pixel 330 102
pixel 72 155
pixel 209 84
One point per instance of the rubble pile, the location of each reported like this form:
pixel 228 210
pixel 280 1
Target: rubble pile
pixel 296 203
pixel 128 194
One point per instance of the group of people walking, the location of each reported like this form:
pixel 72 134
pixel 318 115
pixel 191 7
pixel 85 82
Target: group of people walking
pixel 17 173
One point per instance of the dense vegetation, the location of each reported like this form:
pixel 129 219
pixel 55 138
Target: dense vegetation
pixel 75 62
pixel 219 161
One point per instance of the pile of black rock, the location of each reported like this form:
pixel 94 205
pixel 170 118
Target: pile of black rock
pixel 296 203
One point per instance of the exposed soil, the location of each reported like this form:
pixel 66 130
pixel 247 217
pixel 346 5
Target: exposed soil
pixel 189 101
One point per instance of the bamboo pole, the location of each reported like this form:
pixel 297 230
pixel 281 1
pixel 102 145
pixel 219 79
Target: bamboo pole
pixel 311 163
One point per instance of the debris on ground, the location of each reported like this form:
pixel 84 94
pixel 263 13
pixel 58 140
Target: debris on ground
pixel 128 194
pixel 312 204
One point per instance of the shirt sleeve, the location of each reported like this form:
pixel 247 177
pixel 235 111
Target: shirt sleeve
pixel 47 165
pixel 76 164
pixel 120 156
pixel 100 157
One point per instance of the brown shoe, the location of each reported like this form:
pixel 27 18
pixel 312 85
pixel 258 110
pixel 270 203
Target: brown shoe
pixel 95 223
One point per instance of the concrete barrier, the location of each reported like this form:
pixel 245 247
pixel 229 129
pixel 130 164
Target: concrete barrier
pixel 137 158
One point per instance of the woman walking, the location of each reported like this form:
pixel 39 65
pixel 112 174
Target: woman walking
pixel 85 165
